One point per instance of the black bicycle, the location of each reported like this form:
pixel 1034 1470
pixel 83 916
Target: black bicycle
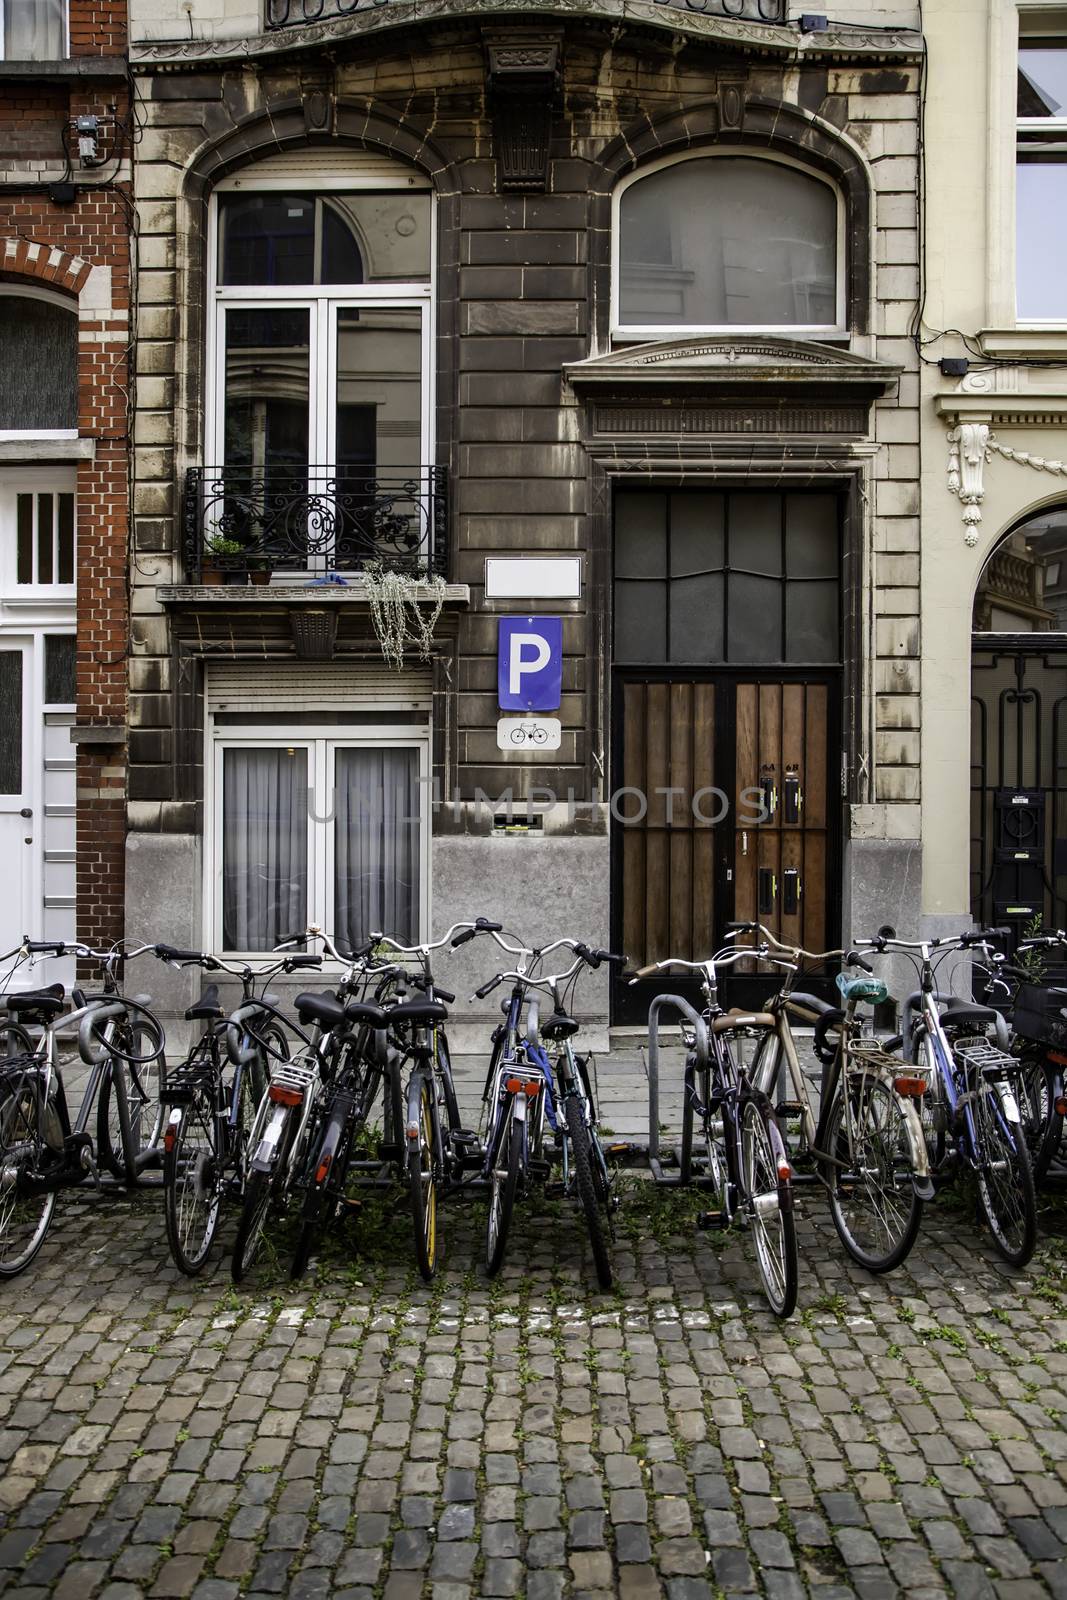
pixel 206 1136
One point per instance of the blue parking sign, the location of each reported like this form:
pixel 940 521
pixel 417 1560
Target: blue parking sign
pixel 530 663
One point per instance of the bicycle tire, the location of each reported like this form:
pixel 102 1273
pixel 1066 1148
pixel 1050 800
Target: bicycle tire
pixel 1000 1150
pixel 24 1219
pixel 249 1237
pixel 776 1257
pixel 145 1106
pixel 422 1179
pixel 192 1193
pixel 318 1192
pixel 1040 1085
pixel 16 1040
pixel 579 1134
pixel 503 1190
pixel 895 1227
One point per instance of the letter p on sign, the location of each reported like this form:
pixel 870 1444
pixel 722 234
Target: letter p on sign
pixel 530 663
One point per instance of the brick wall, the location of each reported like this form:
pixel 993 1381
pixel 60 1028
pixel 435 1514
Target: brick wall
pixel 82 249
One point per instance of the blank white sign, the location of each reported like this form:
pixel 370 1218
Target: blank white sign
pixel 533 577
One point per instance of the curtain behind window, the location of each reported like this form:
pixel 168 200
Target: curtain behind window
pixel 35 30
pixel 265 841
pixel 376 872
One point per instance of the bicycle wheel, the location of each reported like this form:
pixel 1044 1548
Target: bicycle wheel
pixel 771 1211
pixel 872 1198
pixel 258 1190
pixel 582 1155
pixel 192 1188
pixel 422 1177
pixel 1039 1086
pixel 143 1082
pixel 24 1217
pixel 504 1184
pixel 1005 1181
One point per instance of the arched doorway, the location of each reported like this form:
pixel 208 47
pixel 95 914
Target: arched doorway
pixel 1019 729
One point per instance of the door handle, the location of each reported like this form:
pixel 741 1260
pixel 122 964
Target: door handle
pixel 27 811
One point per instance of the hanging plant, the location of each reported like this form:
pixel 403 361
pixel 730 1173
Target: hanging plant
pixel 400 621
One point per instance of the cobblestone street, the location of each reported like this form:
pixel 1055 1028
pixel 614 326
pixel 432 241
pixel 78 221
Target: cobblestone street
pixel 362 1434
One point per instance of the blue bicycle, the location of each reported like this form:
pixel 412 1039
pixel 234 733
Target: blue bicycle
pixel 540 1103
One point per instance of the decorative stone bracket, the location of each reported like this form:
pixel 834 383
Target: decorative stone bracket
pixel 522 82
pixel 970 446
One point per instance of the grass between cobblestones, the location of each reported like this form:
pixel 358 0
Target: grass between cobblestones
pixel 366 1435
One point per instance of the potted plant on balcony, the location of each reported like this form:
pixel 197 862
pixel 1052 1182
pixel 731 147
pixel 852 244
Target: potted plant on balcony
pixel 219 560
pixel 260 566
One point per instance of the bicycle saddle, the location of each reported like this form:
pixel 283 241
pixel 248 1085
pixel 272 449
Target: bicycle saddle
pixel 418 1011
pixel 965 1011
pixel 559 1026
pixel 872 989
pixel 360 1011
pixel 208 1008
pixel 45 1002
pixel 742 1019
pixel 325 1009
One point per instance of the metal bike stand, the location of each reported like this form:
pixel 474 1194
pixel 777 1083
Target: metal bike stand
pixel 683 1157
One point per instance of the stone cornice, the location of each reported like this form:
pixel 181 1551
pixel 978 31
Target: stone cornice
pixel 733 363
pixel 784 41
pixel 1029 408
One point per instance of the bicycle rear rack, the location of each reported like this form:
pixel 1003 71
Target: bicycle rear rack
pixel 986 1059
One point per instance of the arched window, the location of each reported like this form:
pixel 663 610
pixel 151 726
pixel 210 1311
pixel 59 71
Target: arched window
pixel 38 362
pixel 728 240
pixel 321 301
pixel 1023 587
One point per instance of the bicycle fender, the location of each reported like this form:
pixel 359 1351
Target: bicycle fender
pixel 1008 1103
pixel 917 1151
pixel 519 1104
pixel 414 1107
pixel 781 1159
pixel 270 1142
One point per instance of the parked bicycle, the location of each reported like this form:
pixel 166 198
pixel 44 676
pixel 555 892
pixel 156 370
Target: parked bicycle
pixel 1036 1003
pixel 41 1150
pixel 540 1108
pixel 858 1130
pixel 206 1148
pixel 743 1160
pixel 970 1109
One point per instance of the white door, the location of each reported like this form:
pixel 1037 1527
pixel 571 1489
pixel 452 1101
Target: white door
pixel 37 800
pixel 18 797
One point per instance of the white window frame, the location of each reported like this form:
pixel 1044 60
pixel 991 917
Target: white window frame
pixel 662 330
pixel 43 597
pixel 1056 28
pixel 323 300
pixel 66 33
pixel 322 743
pixel 21 291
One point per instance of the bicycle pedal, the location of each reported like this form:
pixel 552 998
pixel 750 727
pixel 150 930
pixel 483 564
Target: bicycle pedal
pixel 80 1156
pixel 708 1221
pixel 788 1108
pixel 538 1170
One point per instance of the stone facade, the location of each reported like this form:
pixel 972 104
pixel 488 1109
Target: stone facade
pixel 535 429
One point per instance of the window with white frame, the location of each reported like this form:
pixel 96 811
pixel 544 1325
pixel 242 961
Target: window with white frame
pixel 38 364
pixel 1041 168
pixel 321 336
pixel 316 825
pixel 33 30
pixel 38 558
pixel 727 239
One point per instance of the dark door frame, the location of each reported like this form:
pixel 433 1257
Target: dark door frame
pixel 630 1005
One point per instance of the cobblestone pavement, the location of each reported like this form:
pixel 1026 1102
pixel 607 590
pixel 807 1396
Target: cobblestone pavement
pixel 363 1435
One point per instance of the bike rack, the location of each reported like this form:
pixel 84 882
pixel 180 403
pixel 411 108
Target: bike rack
pixel 696 1021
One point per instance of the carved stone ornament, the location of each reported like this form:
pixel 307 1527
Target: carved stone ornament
pixel 522 80
pixel 968 452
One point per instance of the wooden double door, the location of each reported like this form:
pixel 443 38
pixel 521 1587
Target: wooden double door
pixel 724 808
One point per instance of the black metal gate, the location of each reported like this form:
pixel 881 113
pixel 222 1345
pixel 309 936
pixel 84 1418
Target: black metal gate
pixel 1019 780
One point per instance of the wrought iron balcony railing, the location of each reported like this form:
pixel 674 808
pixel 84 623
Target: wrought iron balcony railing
pixel 244 522
pixel 301 13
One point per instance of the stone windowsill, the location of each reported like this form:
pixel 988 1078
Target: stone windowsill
pixel 289 594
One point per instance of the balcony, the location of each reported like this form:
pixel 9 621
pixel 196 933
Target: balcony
pixel 302 13
pixel 246 525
